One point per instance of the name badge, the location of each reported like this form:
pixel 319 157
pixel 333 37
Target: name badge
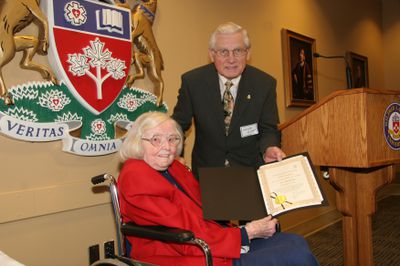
pixel 249 130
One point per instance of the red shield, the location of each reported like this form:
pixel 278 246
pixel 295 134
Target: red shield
pixel 395 126
pixel 90 49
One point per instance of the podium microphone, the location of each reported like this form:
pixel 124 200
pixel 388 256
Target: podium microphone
pixel 348 69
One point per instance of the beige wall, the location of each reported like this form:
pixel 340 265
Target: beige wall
pixel 49 214
pixel 391 43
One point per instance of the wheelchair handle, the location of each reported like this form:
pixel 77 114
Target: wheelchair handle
pixel 101 178
pixel 98 179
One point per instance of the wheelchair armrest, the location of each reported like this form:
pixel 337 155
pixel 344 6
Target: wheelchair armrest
pixel 162 233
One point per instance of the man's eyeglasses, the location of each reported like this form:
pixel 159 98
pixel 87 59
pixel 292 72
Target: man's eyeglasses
pixel 238 52
pixel 158 140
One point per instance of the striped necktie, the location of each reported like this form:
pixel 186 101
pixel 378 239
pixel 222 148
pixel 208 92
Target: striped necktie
pixel 228 102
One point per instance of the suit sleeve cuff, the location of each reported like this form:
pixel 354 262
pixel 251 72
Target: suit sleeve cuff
pixel 245 237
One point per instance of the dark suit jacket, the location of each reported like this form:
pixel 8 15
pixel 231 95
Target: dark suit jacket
pixel 200 99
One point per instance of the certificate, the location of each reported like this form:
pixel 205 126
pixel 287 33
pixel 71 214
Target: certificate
pixel 289 184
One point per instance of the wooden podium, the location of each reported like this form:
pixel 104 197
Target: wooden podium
pixel 345 132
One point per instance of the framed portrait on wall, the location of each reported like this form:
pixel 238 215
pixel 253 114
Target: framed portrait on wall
pixel 359 69
pixel 299 69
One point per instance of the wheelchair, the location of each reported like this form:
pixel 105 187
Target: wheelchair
pixel 162 233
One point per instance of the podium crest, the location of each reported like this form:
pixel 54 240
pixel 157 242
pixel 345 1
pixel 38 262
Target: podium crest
pixel 391 126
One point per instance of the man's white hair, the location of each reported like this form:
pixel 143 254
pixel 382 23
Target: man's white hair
pixel 228 28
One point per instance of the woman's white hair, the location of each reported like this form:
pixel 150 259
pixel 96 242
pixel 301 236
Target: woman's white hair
pixel 228 28
pixel 132 146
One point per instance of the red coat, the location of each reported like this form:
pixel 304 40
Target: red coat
pixel 148 198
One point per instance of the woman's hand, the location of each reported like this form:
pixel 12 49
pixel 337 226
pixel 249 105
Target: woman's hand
pixel 262 228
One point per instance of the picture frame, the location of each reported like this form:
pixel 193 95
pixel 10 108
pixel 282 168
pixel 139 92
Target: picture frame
pixel 359 69
pixel 299 67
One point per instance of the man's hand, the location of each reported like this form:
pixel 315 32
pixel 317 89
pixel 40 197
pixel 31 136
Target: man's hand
pixel 273 154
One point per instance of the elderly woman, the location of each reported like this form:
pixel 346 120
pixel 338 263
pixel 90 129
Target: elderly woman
pixel 156 189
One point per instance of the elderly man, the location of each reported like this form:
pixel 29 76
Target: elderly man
pixel 233 105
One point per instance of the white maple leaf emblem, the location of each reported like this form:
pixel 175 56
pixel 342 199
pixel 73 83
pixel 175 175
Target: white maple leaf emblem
pixel 96 57
pixel 78 64
pixel 95 52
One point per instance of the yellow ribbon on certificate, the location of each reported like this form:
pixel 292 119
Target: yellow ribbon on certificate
pixel 280 199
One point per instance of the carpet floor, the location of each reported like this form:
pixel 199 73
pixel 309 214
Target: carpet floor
pixel 327 244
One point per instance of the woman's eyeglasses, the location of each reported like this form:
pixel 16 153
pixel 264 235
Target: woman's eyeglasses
pixel 158 140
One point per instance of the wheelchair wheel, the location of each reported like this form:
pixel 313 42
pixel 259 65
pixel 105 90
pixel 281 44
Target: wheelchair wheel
pixel 120 261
